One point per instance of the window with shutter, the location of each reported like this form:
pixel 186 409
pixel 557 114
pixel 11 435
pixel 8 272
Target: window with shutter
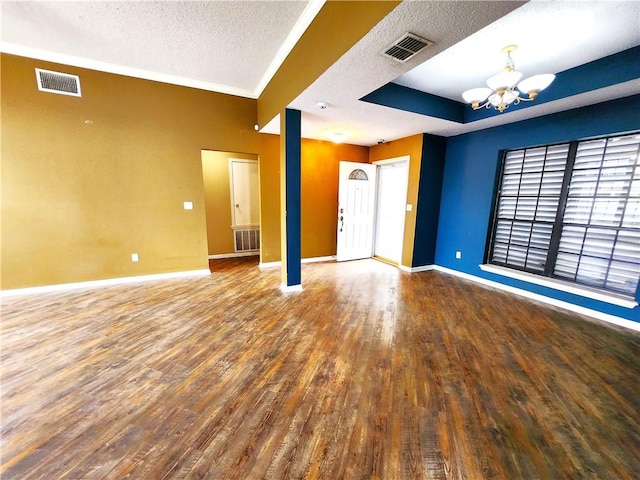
pixel 572 212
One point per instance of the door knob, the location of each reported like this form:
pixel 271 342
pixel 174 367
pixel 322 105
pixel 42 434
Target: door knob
pixel 237 205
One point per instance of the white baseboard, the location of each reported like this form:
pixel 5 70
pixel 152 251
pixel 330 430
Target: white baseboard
pixel 318 259
pixel 270 265
pixel 290 288
pixel 102 283
pixel 623 322
pixel 304 260
pixel 423 268
pixel 251 253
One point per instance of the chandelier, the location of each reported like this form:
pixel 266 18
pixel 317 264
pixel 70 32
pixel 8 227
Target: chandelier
pixel 502 87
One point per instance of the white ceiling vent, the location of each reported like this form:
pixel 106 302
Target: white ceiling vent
pixel 56 82
pixel 406 47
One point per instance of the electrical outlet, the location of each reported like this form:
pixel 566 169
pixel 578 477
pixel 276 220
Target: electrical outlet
pixel 458 255
pixel 188 205
pixel 134 257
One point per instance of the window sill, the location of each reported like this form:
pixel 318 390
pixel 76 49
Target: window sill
pixel 612 298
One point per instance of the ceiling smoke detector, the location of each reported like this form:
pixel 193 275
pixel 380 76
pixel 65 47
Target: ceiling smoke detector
pixel 406 47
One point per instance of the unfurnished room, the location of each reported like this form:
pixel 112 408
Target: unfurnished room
pixel 320 239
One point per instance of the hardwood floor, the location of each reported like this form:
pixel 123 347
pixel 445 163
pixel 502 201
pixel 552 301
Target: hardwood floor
pixel 368 373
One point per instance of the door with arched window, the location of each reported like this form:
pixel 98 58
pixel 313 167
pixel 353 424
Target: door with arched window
pixel 356 210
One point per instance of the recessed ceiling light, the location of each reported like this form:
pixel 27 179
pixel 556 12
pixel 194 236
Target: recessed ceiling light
pixel 338 136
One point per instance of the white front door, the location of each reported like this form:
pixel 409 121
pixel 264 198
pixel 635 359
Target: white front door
pixel 356 210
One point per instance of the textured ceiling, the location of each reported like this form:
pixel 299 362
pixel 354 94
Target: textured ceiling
pixel 551 37
pixel 225 46
pixel 362 69
pixel 235 47
pixel 469 36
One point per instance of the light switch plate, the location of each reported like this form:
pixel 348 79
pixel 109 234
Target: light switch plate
pixel 134 257
pixel 188 205
pixel 409 207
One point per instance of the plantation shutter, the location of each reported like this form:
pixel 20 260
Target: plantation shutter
pixel 527 206
pixel 600 242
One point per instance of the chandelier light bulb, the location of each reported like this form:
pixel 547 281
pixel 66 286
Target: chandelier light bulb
pixel 504 80
pixel 476 95
pixel 502 87
pixel 535 84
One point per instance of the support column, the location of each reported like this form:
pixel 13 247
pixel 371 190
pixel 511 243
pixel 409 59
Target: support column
pixel 290 158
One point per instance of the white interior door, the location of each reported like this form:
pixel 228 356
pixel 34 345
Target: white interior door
pixel 390 210
pixel 244 193
pixel 356 210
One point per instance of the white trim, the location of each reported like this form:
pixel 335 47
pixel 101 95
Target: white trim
pixel 290 288
pixel 250 253
pixel 270 264
pixel 404 158
pixel 390 162
pixel 103 283
pixel 245 227
pixel 612 298
pixel 301 25
pixel 328 258
pixel 623 322
pixel 423 268
pixel 120 70
pixel 318 259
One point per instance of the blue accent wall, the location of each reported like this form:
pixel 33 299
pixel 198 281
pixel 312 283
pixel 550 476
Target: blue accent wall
pixel 470 177
pixel 429 192
pixel 293 146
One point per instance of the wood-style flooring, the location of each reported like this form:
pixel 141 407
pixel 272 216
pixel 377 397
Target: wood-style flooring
pixel 369 373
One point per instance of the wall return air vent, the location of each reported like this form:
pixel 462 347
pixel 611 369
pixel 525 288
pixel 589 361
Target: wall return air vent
pixel 406 47
pixel 56 82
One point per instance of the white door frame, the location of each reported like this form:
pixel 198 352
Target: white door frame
pixel 391 161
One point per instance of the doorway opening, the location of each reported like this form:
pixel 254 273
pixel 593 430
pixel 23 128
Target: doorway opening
pixel 371 210
pixel 391 198
pixel 231 190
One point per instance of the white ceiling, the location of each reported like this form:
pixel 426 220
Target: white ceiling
pixel 236 46
pixel 551 37
pixel 226 46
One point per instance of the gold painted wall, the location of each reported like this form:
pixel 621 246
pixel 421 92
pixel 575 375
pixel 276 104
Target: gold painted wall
pixel 319 195
pixel 319 192
pixel 411 146
pixel 269 166
pixel 217 198
pixel 78 198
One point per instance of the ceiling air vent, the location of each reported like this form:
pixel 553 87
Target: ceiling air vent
pixel 406 47
pixel 56 82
